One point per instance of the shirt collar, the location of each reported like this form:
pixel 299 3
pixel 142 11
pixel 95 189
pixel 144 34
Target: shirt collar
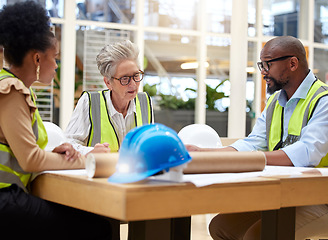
pixel 111 109
pixel 301 91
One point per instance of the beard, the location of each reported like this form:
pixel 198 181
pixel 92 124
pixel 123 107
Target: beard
pixel 273 85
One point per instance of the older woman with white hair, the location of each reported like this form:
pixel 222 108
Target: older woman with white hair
pixel 105 117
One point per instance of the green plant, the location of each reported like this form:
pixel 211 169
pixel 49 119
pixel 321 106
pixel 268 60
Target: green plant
pixel 169 101
pixel 175 103
pixel 212 95
pixel 150 89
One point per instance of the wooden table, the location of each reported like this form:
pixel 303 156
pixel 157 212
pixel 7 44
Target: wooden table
pixel 297 190
pixel 162 210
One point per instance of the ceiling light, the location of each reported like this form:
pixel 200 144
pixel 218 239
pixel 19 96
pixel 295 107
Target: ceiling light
pixel 250 69
pixel 192 65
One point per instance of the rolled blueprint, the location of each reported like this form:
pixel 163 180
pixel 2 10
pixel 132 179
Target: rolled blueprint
pixel 225 162
pixel 101 164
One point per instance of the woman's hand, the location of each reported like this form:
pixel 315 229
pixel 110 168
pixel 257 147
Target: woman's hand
pixel 100 148
pixel 70 153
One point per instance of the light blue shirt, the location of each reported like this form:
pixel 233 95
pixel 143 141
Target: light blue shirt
pixel 313 143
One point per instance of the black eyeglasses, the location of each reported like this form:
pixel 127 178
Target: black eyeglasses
pixel 127 79
pixel 265 64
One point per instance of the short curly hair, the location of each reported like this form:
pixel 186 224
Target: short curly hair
pixel 24 26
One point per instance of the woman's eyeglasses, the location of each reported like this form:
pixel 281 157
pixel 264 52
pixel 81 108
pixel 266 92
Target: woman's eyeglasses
pixel 127 79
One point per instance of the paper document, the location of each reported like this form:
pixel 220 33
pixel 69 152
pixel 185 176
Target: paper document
pixel 201 180
pixel 77 172
pixel 280 170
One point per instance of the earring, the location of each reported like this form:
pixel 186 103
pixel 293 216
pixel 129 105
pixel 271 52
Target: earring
pixel 38 73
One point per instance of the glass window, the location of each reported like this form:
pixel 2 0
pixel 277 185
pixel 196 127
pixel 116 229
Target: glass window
pixel 54 7
pixel 252 18
pixel 170 77
pixel 288 17
pixel 218 53
pixel 117 11
pixel 55 104
pixel 217 83
pixel 180 14
pixel 89 41
pixel 320 67
pixel 170 63
pixel 321 21
pixel 219 15
pixel 252 73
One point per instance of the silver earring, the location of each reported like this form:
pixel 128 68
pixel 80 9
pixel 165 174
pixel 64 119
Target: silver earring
pixel 38 73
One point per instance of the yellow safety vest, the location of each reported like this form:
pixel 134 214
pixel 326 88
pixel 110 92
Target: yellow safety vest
pixel 102 129
pixel 10 170
pixel 299 119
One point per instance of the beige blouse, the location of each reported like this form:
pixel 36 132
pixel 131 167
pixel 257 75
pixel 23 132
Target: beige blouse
pixel 16 111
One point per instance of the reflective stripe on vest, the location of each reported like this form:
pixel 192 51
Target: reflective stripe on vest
pixel 144 116
pixel 39 129
pixel 299 119
pixel 102 128
pixel 10 170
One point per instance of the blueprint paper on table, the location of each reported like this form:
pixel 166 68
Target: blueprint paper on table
pixel 201 180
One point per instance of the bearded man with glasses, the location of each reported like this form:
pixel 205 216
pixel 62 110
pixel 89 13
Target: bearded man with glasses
pixel 291 131
pixel 265 65
pixel 102 119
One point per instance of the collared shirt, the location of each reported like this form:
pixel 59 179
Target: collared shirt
pixel 313 144
pixel 78 128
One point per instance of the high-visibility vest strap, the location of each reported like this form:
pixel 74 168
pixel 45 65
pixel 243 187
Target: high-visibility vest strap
pixel 102 128
pixel 8 178
pixel 95 117
pixel 8 159
pixel 107 132
pixel 10 170
pixel 269 116
pixel 143 108
pixel 299 119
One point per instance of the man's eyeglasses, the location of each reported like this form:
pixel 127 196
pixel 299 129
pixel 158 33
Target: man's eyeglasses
pixel 265 64
pixel 127 79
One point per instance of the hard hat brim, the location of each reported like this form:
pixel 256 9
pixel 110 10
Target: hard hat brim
pixel 118 177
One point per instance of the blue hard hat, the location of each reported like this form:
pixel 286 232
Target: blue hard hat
pixel 147 150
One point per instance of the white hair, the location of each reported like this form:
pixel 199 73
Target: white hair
pixel 112 54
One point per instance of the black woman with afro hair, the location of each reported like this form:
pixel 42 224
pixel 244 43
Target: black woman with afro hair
pixel 30 50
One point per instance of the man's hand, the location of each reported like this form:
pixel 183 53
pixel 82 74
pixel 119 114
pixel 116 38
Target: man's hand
pixel 192 148
pixel 100 148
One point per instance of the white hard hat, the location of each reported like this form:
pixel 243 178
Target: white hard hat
pixel 200 135
pixel 55 134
